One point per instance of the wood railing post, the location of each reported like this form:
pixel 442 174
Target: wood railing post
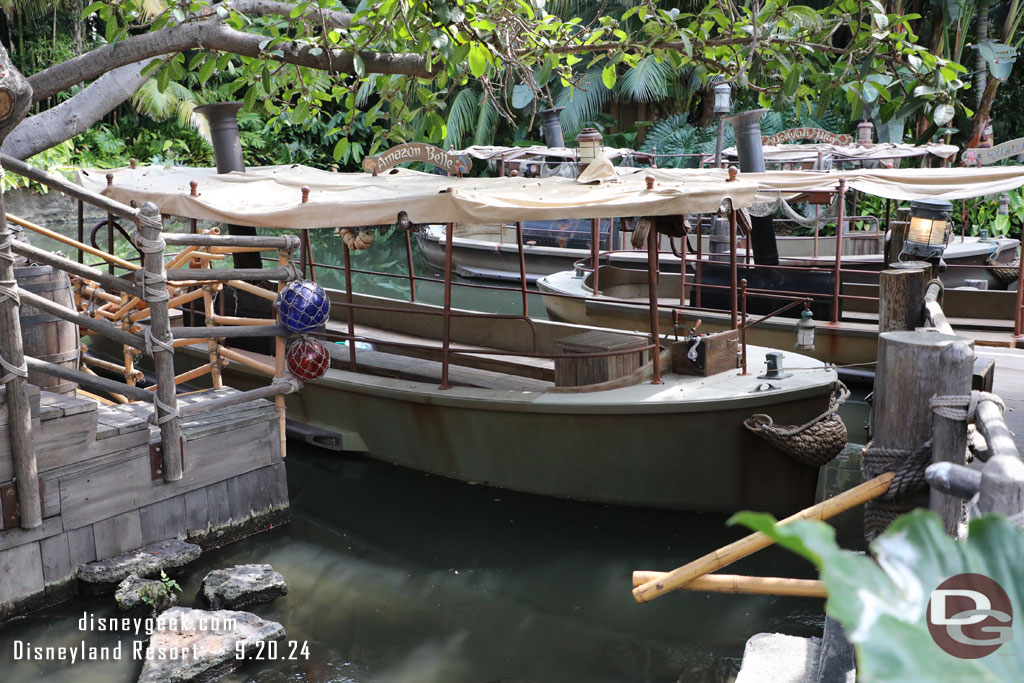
pixel 949 436
pixel 901 296
pixel 14 376
pixel 158 337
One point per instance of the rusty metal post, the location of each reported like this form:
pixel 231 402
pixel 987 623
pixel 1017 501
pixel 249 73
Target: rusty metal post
pixel 682 270
pixel 349 312
pixel 1018 324
pixel 447 313
pixel 743 324
pixel 652 295
pixel 595 251
pixel 522 269
pixel 158 337
pixel 412 272
pixel 839 249
pixel 697 282
pixel 733 276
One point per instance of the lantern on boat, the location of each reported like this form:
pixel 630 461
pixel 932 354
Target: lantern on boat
pixel 589 144
pixel 805 330
pixel 308 359
pixel 303 306
pixel 929 228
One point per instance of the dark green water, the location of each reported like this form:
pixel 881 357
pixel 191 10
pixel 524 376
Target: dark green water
pixel 398 576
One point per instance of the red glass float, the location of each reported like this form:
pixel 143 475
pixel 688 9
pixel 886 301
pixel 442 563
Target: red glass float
pixel 308 359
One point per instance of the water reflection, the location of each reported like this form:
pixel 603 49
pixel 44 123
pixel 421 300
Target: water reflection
pixel 397 576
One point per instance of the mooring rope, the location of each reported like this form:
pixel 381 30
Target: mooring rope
pixel 768 208
pixel 909 466
pixel 9 292
pixel 151 341
pixel 963 407
pixel 149 281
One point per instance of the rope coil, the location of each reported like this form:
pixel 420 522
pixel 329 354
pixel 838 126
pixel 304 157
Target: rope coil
pixel 963 407
pixel 813 443
pixel 768 208
pixel 909 466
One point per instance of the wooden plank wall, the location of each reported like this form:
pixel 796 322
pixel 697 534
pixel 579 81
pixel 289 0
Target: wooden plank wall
pixel 100 499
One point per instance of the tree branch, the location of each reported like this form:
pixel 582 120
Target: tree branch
pixel 210 34
pixel 75 115
pixel 333 18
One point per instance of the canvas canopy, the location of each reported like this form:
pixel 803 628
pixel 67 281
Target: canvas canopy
pixel 271 197
pixel 803 153
pixel 496 152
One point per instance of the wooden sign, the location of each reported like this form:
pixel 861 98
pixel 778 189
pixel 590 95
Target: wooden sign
pixel 983 156
pixel 417 151
pixel 810 134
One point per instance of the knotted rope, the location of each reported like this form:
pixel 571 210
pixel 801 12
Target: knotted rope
pixel 909 466
pixel 9 292
pixel 152 341
pixel 812 443
pixel 150 281
pixel 963 407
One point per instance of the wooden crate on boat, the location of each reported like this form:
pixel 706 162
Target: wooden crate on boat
pixel 716 353
pixel 576 372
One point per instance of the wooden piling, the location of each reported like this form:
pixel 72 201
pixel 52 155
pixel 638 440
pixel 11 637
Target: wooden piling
pixel 949 436
pixel 901 296
pixel 151 245
pixel 15 377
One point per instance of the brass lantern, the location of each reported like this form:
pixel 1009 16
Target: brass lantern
pixel 929 228
pixel 589 143
pixel 805 331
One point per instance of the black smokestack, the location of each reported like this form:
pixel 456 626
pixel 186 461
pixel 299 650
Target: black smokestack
pixel 747 128
pixel 227 151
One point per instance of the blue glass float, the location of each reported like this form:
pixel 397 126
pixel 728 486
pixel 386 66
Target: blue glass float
pixel 303 306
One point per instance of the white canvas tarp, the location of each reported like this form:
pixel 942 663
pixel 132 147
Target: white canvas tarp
pixel 802 153
pixel 271 196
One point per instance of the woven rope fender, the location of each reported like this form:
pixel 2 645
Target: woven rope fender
pixel 1005 272
pixel 813 443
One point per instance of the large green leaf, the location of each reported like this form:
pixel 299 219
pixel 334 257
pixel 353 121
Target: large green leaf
pixel 999 57
pixel 882 603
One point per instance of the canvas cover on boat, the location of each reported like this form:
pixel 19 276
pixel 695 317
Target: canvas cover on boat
pixel 798 153
pixel 271 196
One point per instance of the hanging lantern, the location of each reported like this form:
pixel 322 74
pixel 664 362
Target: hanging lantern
pixel 303 306
pixel 865 134
pixel 929 228
pixel 308 360
pixel 589 143
pixel 805 331
pixel 723 98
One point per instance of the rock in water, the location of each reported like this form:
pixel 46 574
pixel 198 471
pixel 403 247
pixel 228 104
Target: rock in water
pixel 135 593
pixel 104 575
pixel 241 585
pixel 191 645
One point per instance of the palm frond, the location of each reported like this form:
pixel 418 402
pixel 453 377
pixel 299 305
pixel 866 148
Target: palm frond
pixel 648 81
pixel 462 115
pixel 486 124
pixel 582 104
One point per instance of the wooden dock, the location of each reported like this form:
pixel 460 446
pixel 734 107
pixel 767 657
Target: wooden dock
pixel 103 490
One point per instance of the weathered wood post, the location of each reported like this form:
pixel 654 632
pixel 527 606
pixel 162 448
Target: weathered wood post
pixel 949 429
pixel 158 337
pixel 14 376
pixel 907 377
pixel 1002 477
pixel 901 296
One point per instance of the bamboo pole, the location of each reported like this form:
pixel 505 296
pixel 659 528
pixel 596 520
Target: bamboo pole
pixel 747 545
pixel 237 321
pixel 14 376
pixel 190 375
pixel 111 282
pixel 92 291
pixel 746 585
pixel 174 302
pixel 150 227
pixel 217 241
pixel 231 354
pixel 81 246
pixel 253 289
pixel 212 343
pixel 111 367
pixel 118 398
pixel 238 250
pixel 188 342
pixel 224 274
pixel 99 326
pixel 96 397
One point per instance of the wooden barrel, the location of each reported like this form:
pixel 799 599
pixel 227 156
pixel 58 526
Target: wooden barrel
pixel 46 336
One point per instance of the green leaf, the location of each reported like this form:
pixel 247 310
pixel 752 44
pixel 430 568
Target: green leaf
pixel 298 10
pixel 522 95
pixel 882 605
pixel 206 70
pixel 608 76
pixel 477 60
pixel 358 65
pixel 999 57
pixel 943 114
pixel 792 82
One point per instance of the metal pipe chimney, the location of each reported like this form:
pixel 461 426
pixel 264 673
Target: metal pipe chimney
pixel 551 127
pixel 227 152
pixel 747 129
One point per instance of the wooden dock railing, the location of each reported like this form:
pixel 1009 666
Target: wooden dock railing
pixel 114 307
